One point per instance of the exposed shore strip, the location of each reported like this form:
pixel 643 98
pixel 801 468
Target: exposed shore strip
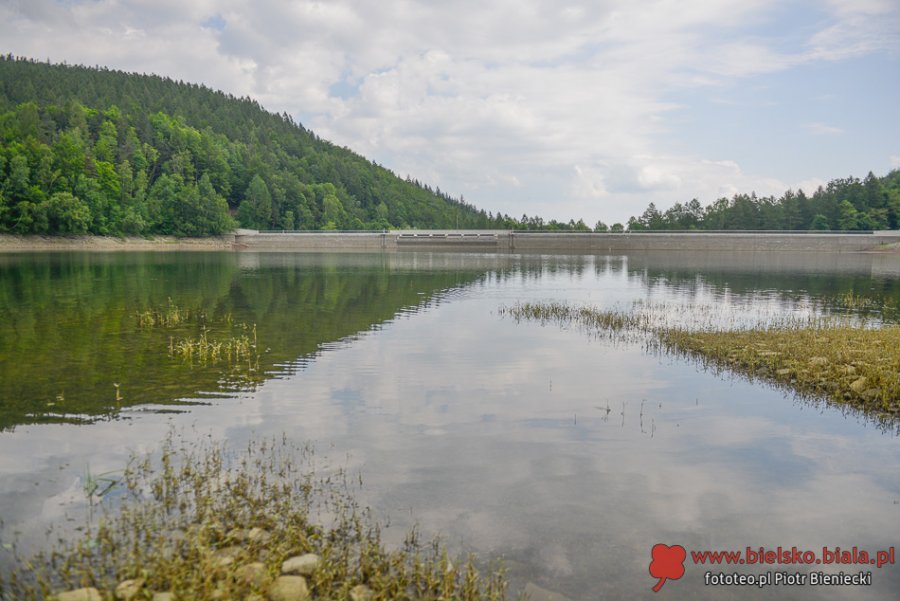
pixel 10 243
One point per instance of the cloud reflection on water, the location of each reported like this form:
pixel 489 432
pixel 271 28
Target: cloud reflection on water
pixel 568 455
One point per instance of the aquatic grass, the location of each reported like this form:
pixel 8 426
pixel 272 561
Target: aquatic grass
pixel 204 521
pixel 862 308
pixel 168 316
pixel 851 300
pixel 645 318
pixel 594 321
pixel 240 353
pixel 854 365
pixel 197 340
pixel 841 358
pixel 205 350
pixel 96 486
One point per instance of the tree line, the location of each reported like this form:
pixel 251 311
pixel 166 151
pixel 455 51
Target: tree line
pixel 845 204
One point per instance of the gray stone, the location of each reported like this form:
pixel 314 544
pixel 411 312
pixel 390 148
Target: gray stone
pixel 305 565
pixel 129 589
pixel 289 588
pixel 253 574
pixel 237 534
pixel 360 592
pixel 81 594
pixel 258 535
pixel 225 557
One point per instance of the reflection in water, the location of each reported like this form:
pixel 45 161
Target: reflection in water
pixel 822 280
pixel 568 455
pixel 71 338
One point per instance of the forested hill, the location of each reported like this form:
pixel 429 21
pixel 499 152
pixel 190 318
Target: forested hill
pixel 88 150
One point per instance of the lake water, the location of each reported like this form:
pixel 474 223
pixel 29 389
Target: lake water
pixel 568 454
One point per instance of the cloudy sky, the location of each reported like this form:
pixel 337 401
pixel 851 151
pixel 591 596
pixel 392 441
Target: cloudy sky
pixel 563 109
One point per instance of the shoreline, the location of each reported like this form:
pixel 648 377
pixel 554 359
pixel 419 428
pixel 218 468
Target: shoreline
pixel 12 243
pixel 482 241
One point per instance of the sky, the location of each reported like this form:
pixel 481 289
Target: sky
pixel 560 109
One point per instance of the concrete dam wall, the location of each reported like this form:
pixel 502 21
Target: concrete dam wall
pixel 505 241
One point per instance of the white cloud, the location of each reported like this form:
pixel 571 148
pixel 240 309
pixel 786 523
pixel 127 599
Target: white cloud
pixel 823 129
pixel 656 177
pixel 809 185
pixel 744 58
pixel 868 7
pixel 589 183
pixel 520 106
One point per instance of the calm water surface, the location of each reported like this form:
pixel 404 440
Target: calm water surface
pixel 569 455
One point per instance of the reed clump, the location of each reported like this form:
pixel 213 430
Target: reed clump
pixel 199 521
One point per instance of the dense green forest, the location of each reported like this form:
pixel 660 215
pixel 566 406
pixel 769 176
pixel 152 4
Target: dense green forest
pixel 92 150
pixel 844 204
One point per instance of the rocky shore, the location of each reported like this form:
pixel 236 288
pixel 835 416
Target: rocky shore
pixel 199 521
pixel 290 584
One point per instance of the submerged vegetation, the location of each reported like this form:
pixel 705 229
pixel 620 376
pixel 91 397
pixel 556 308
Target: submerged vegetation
pixel 213 346
pixel 206 348
pixel 203 522
pixel 233 350
pixel 822 358
pixel 169 316
pixel 585 317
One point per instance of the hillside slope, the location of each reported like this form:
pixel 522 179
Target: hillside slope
pixel 88 150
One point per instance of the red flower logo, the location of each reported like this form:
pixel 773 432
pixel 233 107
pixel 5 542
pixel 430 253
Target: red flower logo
pixel 668 562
